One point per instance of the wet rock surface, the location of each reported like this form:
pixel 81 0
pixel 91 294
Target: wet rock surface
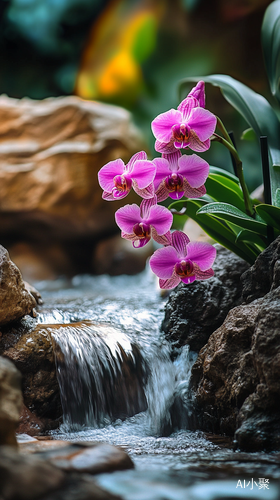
pixel 10 401
pixel 235 386
pixel 195 311
pixel 92 458
pixel 50 153
pixel 31 351
pixel 15 300
pixel 32 477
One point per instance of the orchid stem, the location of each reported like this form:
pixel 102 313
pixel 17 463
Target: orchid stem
pixel 227 142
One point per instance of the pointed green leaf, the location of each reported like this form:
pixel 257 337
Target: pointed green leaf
pixel 223 189
pixel 270 214
pixel 230 213
pixel 224 173
pixel 249 236
pixel 215 228
pixel 248 135
pixel 257 112
pixel 271 46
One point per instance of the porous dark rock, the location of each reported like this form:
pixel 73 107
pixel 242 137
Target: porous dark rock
pixel 10 401
pixel 235 381
pixel 195 311
pixel 15 300
pixel 264 275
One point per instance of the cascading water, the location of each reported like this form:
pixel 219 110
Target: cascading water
pixel 119 385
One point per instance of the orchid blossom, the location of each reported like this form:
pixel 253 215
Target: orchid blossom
pixel 139 224
pixel 183 260
pixel 190 126
pixel 178 176
pixel 117 179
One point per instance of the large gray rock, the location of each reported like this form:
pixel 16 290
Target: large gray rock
pixel 235 386
pixel 15 300
pixel 10 401
pixel 195 311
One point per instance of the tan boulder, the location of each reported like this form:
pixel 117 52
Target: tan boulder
pixel 50 154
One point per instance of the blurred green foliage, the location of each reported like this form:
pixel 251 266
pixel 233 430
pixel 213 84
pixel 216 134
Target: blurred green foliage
pixel 43 44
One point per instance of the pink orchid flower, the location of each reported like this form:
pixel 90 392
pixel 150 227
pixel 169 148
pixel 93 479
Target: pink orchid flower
pixel 117 179
pixel 139 224
pixel 183 261
pixel 189 126
pixel 178 176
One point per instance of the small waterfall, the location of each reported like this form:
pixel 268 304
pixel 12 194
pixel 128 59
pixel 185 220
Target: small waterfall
pixel 101 374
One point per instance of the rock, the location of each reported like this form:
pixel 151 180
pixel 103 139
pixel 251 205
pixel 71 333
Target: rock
pixel 16 301
pixel 29 423
pixel 195 311
pixel 264 275
pixel 235 382
pixel 91 458
pixel 10 401
pixel 34 292
pixel 50 154
pixel 30 477
pixel 31 350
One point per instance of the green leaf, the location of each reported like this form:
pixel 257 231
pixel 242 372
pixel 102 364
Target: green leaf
pixel 270 35
pixel 270 214
pixel 248 135
pixel 224 173
pixel 230 213
pixel 257 112
pixel 221 188
pixel 249 236
pixel 145 40
pixel 216 229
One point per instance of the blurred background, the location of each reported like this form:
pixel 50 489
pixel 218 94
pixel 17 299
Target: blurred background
pixel 129 53
pixel 133 53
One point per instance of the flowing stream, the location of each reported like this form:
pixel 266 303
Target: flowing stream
pixel 119 385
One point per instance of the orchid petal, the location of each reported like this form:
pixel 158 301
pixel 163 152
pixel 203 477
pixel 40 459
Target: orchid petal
pixel 147 192
pixel 160 218
pixel 162 192
pixel 176 195
pixel 165 147
pixel 202 254
pixel 127 216
pixel 107 173
pixel 203 122
pixel 196 145
pixel 163 261
pixel 169 283
pixel 145 207
pixel 194 168
pixel 173 160
pixel 188 279
pixel 199 93
pixel 108 196
pixel 202 275
pixel 187 105
pixel 143 172
pixel 180 242
pixel 139 243
pixel 138 156
pixel 162 170
pixel 191 192
pixel 130 237
pixel 163 123
pixel 165 239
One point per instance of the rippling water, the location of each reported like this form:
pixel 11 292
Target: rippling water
pixel 104 326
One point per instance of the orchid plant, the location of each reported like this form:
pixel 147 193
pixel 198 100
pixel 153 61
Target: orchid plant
pixel 218 200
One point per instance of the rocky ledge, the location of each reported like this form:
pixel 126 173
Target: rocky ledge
pixel 235 381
